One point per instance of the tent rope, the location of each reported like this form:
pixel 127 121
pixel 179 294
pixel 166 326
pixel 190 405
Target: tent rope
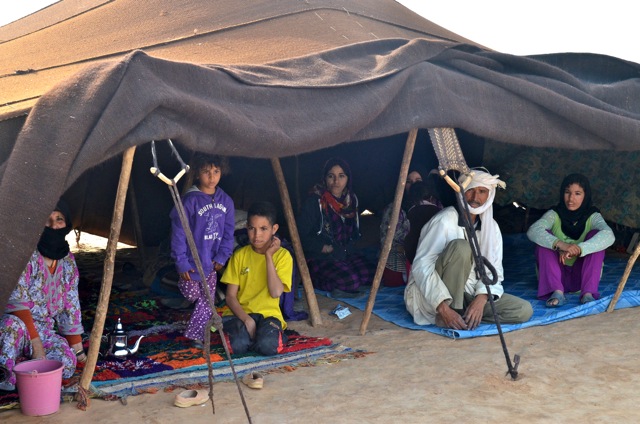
pixel 215 320
pixel 447 148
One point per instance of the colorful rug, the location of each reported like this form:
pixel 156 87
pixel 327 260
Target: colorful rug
pixel 166 358
pixel 198 374
pixel 520 280
pixel 9 400
pixel 169 352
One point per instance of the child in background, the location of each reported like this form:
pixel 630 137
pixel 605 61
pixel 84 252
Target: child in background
pixel 256 276
pixel 210 213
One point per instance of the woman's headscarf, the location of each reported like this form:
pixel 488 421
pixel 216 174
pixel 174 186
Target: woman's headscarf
pixel 420 170
pixel 52 242
pixel 573 222
pixel 423 193
pixel 406 202
pixel 344 205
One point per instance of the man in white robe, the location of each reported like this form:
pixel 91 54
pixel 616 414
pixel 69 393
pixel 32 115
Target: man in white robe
pixel 443 288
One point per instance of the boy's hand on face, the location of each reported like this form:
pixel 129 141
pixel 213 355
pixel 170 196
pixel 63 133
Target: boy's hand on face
pixel 251 327
pixel 274 246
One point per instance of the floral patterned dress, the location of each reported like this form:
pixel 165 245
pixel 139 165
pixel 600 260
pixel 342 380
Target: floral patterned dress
pixel 53 301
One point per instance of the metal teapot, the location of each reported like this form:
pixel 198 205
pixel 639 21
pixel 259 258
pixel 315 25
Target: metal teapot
pixel 118 345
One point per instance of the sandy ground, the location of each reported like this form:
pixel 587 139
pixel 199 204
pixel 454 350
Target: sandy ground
pixel 582 370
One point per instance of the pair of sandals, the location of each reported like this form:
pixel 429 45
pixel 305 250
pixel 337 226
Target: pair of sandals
pixel 557 299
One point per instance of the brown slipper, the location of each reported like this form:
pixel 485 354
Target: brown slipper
pixel 253 380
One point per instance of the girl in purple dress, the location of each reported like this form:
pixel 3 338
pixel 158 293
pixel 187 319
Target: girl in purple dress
pixel 211 215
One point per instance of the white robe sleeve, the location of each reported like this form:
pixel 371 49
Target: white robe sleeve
pixel 425 289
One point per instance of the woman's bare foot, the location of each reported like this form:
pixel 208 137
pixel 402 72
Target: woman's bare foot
pixel 586 298
pixel 556 299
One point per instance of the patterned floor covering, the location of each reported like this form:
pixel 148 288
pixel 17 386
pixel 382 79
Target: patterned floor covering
pixel 520 280
pixel 164 357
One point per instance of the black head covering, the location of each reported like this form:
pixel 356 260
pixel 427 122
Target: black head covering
pixel 420 170
pixel 573 222
pixel 63 208
pixel 52 242
pixel 423 190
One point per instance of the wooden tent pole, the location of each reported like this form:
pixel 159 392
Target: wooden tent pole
pixel 386 247
pixel 623 280
pixel 107 278
pixel 312 301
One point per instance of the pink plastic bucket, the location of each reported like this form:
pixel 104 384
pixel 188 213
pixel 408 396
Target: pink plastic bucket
pixel 39 382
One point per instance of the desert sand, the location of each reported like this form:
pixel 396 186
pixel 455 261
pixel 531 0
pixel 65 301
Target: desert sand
pixel 581 370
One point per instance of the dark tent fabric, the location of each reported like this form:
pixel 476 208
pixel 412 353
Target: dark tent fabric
pixel 355 91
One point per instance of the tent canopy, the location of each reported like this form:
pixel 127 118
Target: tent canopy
pixel 276 79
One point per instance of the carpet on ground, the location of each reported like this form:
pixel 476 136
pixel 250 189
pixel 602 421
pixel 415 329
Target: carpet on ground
pixel 164 356
pixel 521 281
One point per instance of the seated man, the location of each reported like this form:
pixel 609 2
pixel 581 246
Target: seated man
pixel 256 277
pixel 443 288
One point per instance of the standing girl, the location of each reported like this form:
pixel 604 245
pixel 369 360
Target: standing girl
pixel 210 213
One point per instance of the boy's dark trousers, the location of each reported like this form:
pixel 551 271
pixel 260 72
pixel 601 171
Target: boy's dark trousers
pixel 269 340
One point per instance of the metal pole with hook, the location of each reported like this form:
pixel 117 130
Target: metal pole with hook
pixel 450 157
pixel 480 262
pixel 215 320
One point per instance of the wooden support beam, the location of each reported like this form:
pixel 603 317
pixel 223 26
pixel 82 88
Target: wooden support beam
pixel 109 261
pixel 623 280
pixel 386 246
pixel 312 301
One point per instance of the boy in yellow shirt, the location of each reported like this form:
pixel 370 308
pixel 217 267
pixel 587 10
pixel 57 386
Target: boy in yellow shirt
pixel 256 276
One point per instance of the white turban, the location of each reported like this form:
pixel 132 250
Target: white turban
pixel 486 237
pixel 488 181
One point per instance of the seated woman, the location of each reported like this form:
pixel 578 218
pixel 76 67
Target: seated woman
pixel 45 300
pixel 328 225
pixel 571 239
pixel 424 205
pixel 395 271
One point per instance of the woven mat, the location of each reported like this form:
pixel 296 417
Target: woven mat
pixel 520 280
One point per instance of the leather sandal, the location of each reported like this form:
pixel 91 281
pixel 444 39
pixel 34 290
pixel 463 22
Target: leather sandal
pixel 253 380
pixel 191 397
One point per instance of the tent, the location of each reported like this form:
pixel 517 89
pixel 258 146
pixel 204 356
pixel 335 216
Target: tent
pixel 72 35
pixel 83 81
